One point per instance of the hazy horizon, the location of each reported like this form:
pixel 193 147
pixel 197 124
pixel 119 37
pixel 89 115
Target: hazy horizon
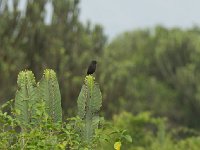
pixel 117 16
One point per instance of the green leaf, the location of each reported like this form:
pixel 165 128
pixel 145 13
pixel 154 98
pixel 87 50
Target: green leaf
pixel 128 138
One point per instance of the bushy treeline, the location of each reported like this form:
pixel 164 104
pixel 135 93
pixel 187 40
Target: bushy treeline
pixel 156 70
pixel 153 70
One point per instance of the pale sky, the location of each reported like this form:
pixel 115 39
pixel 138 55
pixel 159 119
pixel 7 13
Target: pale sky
pixel 117 16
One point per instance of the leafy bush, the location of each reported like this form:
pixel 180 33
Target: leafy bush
pixel 36 122
pixel 152 133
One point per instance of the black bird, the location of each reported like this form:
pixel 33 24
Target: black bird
pixel 92 67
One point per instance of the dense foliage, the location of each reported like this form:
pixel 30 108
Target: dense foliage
pixel 147 70
pixel 156 70
pixel 65 45
pixel 36 120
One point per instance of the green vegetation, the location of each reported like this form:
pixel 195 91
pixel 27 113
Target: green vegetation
pixel 155 70
pixel 38 116
pixel 148 87
pixel 89 103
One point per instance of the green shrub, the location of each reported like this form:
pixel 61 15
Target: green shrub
pixel 36 120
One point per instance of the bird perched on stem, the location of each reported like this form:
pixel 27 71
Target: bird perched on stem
pixel 92 67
